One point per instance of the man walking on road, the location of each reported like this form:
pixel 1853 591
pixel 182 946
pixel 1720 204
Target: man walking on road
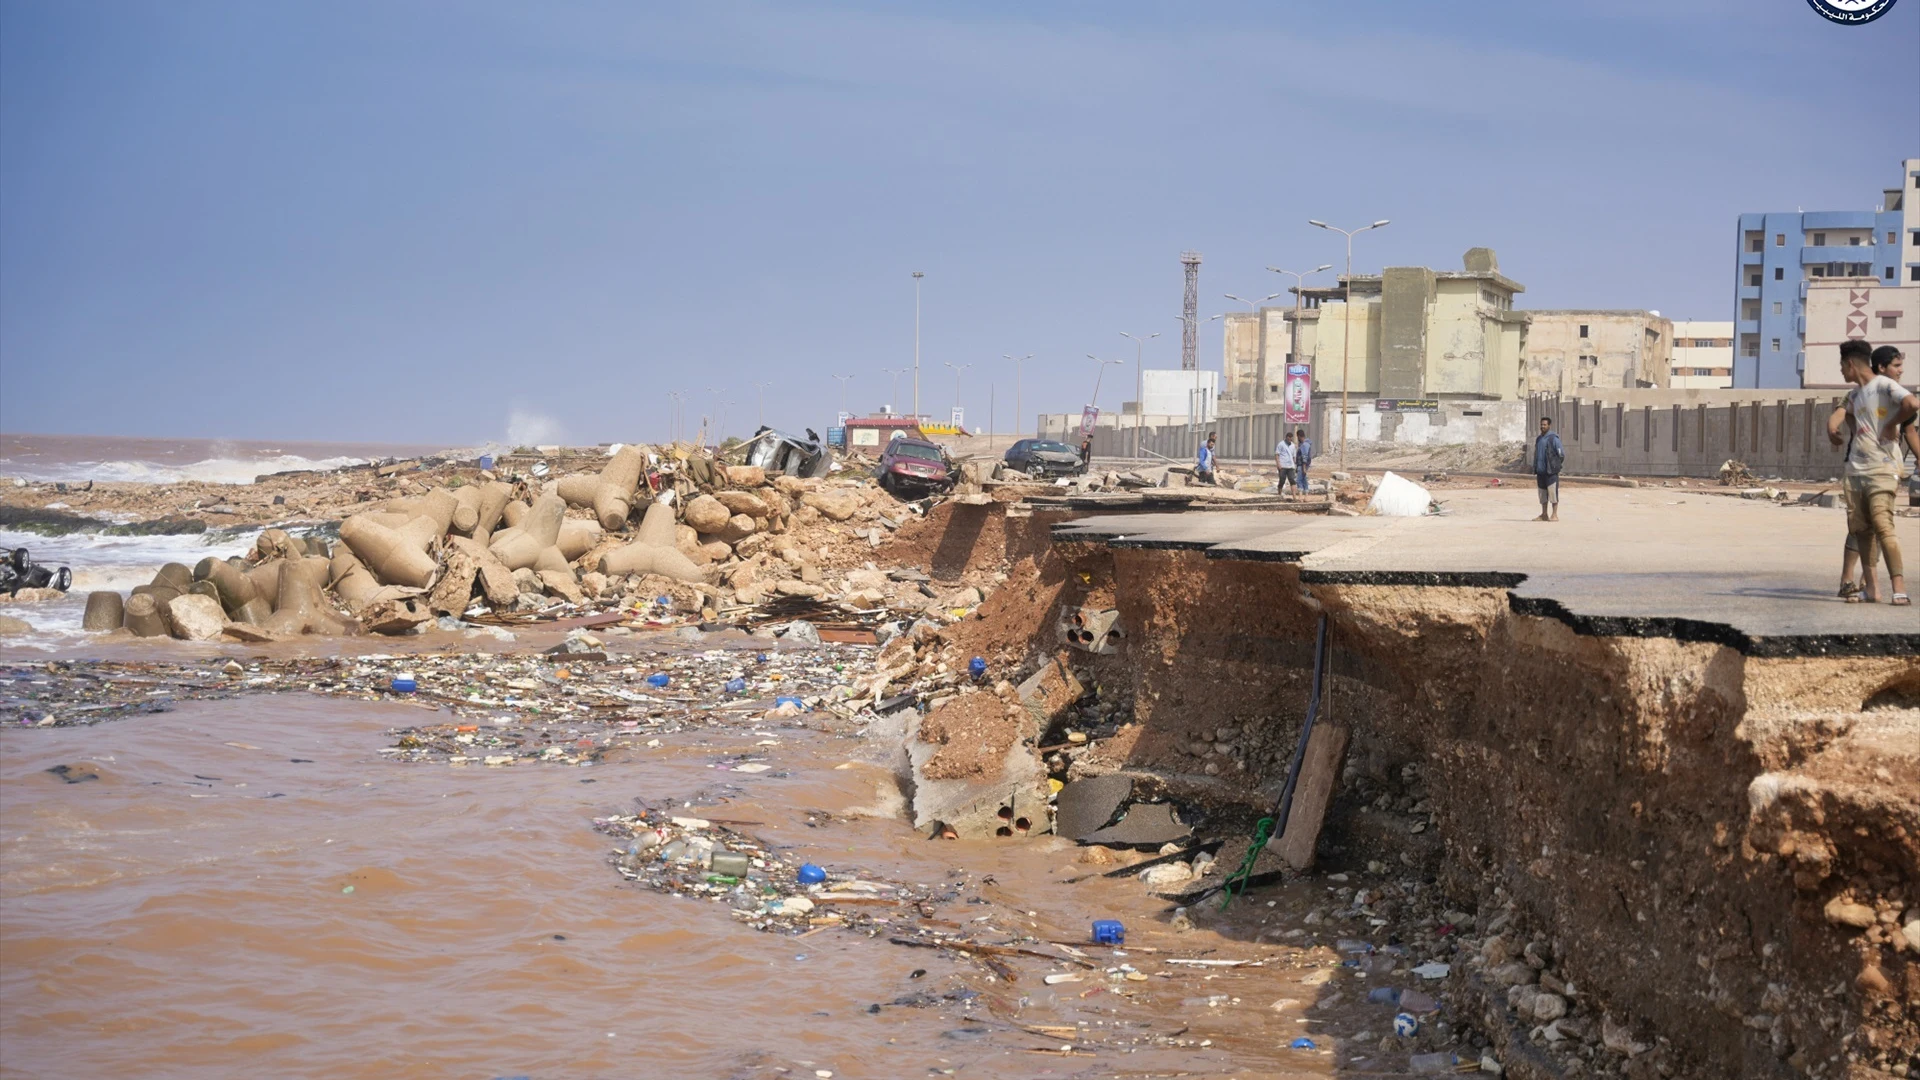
pixel 1302 457
pixel 1203 468
pixel 1548 455
pixel 1283 460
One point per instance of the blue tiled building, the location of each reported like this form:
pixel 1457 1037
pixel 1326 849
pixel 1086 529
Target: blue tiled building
pixel 1779 253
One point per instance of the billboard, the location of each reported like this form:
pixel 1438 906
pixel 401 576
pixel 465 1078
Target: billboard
pixel 1297 395
pixel 1087 417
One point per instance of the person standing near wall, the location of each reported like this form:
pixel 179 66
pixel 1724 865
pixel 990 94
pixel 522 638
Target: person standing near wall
pixel 1549 453
pixel 1283 461
pixel 1875 411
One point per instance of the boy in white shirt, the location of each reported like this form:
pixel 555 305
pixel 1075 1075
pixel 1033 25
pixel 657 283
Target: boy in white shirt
pixel 1872 414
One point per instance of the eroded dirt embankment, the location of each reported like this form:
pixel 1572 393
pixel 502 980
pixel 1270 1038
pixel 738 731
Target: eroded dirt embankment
pixel 1709 858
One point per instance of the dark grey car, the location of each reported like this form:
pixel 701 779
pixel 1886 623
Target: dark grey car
pixel 1041 458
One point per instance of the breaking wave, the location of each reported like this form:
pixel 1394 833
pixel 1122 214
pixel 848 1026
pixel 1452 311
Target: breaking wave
pixel 211 471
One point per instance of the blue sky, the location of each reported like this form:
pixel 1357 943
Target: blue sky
pixel 434 222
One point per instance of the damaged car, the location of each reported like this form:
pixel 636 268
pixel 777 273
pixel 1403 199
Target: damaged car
pixel 914 466
pixel 1043 458
pixel 781 454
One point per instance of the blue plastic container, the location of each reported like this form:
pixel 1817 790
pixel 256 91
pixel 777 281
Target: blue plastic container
pixel 811 874
pixel 404 684
pixel 736 686
pixel 789 699
pixel 977 667
pixel 486 461
pixel 1302 1043
pixel 659 679
pixel 1109 932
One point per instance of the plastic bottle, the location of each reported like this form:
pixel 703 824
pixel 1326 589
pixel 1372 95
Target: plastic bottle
pixel 811 874
pixel 977 667
pixel 659 679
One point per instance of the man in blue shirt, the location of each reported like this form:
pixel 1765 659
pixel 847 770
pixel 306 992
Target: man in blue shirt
pixel 1203 468
pixel 1548 455
pixel 1302 457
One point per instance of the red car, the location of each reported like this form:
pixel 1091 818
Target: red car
pixel 913 465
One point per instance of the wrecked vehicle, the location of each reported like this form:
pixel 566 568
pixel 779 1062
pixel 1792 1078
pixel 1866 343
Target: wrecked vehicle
pixel 913 465
pixel 1042 458
pixel 782 454
pixel 19 571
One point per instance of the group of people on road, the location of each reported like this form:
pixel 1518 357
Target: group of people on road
pixel 1876 425
pixel 1292 457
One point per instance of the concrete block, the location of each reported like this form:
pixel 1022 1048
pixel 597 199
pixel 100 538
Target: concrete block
pixel 105 611
pixel 392 556
pixel 144 616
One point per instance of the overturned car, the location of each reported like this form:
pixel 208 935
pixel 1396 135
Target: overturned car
pixel 790 455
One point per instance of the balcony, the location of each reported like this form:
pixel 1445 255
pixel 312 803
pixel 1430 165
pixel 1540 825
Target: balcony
pixel 1847 253
pixel 1747 326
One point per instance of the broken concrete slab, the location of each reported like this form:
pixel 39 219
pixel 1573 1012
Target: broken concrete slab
pixel 1145 823
pixel 1085 806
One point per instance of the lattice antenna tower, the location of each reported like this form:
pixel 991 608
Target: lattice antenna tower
pixel 1190 313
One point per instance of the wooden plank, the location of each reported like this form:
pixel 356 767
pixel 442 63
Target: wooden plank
pixel 1319 775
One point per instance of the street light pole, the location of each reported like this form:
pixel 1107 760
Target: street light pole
pixel 1017 360
pixel 1139 386
pixel 1346 336
pixel 760 401
pixel 894 397
pixel 917 275
pixel 1096 379
pixel 844 379
pixel 957 369
pixel 1293 339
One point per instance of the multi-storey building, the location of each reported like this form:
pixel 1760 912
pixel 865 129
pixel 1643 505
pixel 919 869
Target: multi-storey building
pixel 1702 355
pixel 1780 253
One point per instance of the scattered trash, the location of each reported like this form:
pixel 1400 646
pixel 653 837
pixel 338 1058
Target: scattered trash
pixel 1433 969
pixel 810 874
pixel 1302 1043
pixel 1434 1063
pixel 1405 1024
pixel 404 684
pixel 1109 932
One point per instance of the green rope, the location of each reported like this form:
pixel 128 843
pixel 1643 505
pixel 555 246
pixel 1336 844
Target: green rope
pixel 1260 834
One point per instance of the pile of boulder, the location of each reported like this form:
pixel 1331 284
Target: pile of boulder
pixel 672 522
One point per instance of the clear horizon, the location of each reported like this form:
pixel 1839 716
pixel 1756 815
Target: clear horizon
pixel 379 224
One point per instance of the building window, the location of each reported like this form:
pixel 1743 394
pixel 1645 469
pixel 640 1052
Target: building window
pixel 1776 307
pixel 1779 273
pixel 1889 275
pixel 1889 236
pixel 1889 322
pixel 1751 347
pixel 1913 273
pixel 1780 239
pixel 1753 279
pixel 1583 329
pixel 1819 239
pixel 1853 241
pixel 1754 241
pixel 1776 344
pixel 1817 271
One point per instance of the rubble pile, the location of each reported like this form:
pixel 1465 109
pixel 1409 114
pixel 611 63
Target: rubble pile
pixel 716 538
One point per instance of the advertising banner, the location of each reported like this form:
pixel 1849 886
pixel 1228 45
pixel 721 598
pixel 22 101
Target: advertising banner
pixel 1297 394
pixel 1087 417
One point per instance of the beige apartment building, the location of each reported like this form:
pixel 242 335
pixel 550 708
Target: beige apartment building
pixel 1569 349
pixel 1863 307
pixel 1702 355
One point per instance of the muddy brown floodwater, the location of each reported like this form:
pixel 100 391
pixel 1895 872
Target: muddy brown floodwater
pixel 187 914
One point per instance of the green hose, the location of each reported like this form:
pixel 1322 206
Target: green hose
pixel 1260 834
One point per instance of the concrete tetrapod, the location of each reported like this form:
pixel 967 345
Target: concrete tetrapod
pixel 393 556
pixel 299 605
pixel 610 493
pixel 494 497
pixel 528 545
pixel 577 537
pixel 144 618
pixel 105 611
pixel 653 550
pixel 233 587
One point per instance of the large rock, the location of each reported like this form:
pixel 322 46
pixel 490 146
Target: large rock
pixel 707 514
pixel 561 583
pixel 196 617
pixel 833 505
pixel 746 476
pixel 737 528
pixel 742 502
pixel 799 588
pixel 401 615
